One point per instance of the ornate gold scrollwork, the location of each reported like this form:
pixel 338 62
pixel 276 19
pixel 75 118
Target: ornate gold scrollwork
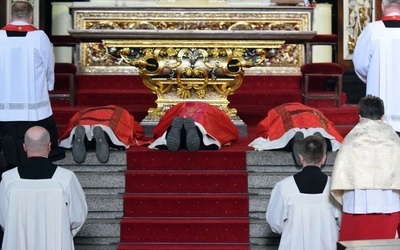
pixel 177 74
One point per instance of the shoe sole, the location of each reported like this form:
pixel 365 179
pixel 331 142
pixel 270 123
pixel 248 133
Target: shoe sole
pixel 318 134
pixel 102 147
pixel 174 135
pixel 192 137
pixel 78 145
pixel 298 137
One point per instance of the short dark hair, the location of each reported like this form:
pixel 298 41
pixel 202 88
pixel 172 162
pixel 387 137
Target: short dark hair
pixel 313 149
pixel 21 10
pixel 371 107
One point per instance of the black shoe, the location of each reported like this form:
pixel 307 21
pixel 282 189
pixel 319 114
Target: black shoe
pixel 78 145
pixel 174 134
pixel 102 148
pixel 298 137
pixel 192 137
pixel 318 134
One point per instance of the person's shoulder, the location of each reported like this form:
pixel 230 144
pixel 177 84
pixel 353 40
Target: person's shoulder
pixel 63 174
pixel 65 171
pixel 374 25
pixel 38 34
pixel 285 183
pixel 10 175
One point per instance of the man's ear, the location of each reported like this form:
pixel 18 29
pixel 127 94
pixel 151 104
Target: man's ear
pixel 301 159
pixel 24 146
pixel 323 160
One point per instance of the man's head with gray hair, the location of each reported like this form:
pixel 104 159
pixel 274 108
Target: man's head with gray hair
pixel 22 11
pixel 390 6
pixel 37 142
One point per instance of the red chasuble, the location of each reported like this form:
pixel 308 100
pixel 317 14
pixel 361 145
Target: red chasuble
pixel 294 115
pixel 119 120
pixel 215 121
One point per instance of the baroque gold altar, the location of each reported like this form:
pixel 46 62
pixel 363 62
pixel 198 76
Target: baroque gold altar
pixel 191 54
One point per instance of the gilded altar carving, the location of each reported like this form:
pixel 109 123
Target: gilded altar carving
pixel 95 59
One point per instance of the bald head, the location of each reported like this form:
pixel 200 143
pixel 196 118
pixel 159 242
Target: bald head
pixel 37 142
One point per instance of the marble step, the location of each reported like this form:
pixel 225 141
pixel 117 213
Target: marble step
pixel 99 232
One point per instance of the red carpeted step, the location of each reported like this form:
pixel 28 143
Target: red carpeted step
pixel 234 158
pixel 122 90
pixel 344 129
pixel 250 82
pixel 182 246
pixel 194 230
pixel 267 83
pixel 62 115
pixel 186 181
pixel 102 97
pixel 344 115
pixel 95 81
pixel 183 205
pixel 60 102
pixel 262 98
pixel 181 199
pixel 327 103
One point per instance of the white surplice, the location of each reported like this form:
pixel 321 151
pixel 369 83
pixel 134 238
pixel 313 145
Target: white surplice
pixel 41 214
pixel 26 76
pixel 376 58
pixel 305 221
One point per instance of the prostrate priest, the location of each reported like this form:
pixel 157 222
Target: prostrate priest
pixel 101 128
pixel 26 77
pixel 194 126
pixel 287 124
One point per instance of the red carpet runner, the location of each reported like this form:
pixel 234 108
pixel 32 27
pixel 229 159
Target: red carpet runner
pixel 186 200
